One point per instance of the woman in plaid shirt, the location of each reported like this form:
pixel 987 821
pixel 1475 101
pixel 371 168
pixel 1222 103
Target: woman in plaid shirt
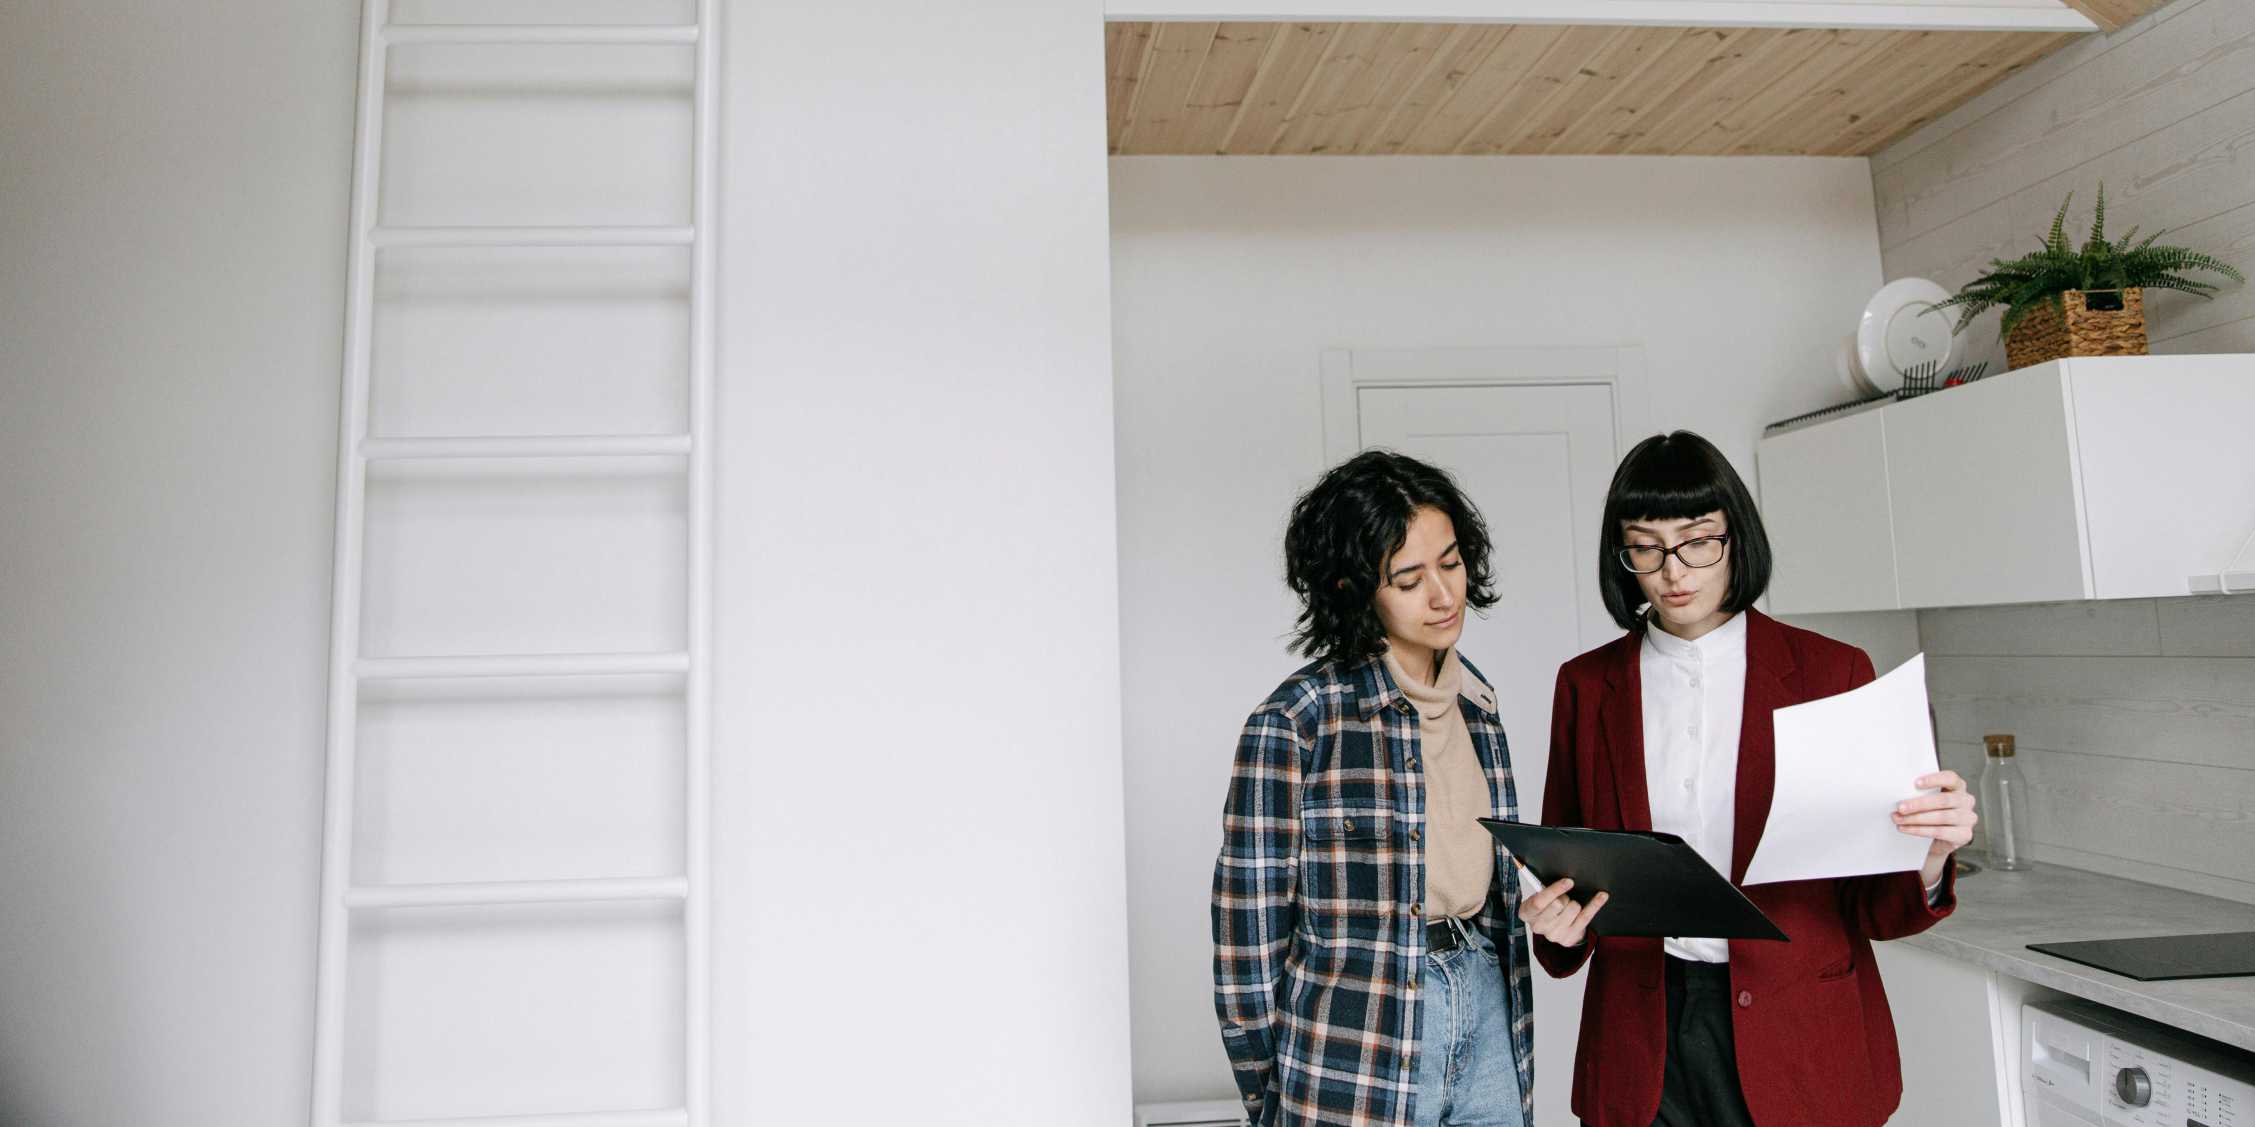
pixel 1370 966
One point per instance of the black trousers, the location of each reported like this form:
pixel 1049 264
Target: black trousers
pixel 1700 1088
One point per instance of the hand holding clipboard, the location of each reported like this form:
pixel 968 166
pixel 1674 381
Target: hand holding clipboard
pixel 1656 885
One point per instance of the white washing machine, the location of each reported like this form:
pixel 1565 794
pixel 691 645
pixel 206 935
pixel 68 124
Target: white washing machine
pixel 2090 1066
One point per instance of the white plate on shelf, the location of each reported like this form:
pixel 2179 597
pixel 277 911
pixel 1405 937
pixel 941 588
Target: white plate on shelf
pixel 1901 330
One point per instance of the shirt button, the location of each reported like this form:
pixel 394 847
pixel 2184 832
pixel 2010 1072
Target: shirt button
pixel 1417 908
pixel 1691 730
pixel 1404 707
pixel 1413 763
pixel 1745 999
pixel 1687 784
pixel 1415 836
pixel 1350 825
pixel 1695 682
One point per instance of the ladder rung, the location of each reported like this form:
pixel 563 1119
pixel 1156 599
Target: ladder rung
pixel 516 892
pixel 654 1117
pixel 389 237
pixel 626 34
pixel 521 665
pixel 530 446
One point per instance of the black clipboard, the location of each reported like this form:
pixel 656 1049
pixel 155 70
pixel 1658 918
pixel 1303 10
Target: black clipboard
pixel 1660 885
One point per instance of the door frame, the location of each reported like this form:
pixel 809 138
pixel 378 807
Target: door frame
pixel 1346 371
pixel 1617 369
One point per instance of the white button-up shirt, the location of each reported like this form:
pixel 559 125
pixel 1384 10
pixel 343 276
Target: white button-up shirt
pixel 1694 697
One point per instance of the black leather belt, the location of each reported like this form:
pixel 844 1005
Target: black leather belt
pixel 1693 970
pixel 1442 935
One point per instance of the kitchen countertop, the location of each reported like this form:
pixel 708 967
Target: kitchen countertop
pixel 2000 913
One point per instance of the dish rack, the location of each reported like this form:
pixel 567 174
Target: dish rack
pixel 1923 379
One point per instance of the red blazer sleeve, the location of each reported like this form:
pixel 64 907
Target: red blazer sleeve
pixel 1891 905
pixel 1562 806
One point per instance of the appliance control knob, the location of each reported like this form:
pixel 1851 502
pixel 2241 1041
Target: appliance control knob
pixel 2133 1087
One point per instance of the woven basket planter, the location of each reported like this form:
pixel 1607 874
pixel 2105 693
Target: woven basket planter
pixel 2045 335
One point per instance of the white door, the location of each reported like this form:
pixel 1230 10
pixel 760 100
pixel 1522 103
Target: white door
pixel 1536 459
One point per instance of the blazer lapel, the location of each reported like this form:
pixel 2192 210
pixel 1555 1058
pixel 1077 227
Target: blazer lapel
pixel 1769 668
pixel 1624 733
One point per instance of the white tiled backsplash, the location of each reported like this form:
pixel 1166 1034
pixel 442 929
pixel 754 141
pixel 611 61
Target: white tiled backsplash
pixel 2136 728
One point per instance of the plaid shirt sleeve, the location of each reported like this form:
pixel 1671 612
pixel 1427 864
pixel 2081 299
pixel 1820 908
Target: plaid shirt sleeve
pixel 1254 908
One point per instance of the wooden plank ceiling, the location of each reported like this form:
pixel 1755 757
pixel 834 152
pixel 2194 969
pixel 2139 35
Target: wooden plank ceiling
pixel 1403 88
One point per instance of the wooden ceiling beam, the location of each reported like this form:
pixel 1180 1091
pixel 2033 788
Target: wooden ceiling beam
pixel 1503 70
pixel 1254 87
pixel 1963 15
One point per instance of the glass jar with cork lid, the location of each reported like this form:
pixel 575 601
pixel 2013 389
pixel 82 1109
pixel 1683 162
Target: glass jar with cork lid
pixel 2004 804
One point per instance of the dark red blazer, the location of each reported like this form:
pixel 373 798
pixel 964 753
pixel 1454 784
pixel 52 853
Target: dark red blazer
pixel 1816 1044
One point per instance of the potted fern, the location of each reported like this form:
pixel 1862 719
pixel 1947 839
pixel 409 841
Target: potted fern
pixel 2063 302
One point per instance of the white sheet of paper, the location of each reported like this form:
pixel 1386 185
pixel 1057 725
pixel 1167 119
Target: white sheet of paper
pixel 1842 764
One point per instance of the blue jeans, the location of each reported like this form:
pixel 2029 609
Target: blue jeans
pixel 1466 1076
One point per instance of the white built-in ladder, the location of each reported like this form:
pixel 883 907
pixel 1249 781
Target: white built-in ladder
pixel 351 670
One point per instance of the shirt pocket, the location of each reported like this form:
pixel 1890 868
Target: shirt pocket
pixel 1348 862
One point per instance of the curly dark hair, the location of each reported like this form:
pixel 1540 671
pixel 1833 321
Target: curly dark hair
pixel 1345 529
pixel 1676 477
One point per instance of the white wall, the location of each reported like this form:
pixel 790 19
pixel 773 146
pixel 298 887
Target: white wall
pixel 2159 112
pixel 919 726
pixel 1230 275
pixel 922 916
pixel 2131 714
pixel 171 279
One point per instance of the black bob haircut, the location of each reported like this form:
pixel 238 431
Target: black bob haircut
pixel 1676 477
pixel 1345 529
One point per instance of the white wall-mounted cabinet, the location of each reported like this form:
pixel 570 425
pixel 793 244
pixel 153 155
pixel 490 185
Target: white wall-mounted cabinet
pixel 1828 485
pixel 1986 493
pixel 2090 478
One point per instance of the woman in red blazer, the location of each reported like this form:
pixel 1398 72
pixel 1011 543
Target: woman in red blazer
pixel 1668 728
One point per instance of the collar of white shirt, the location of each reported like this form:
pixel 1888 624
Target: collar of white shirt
pixel 1727 640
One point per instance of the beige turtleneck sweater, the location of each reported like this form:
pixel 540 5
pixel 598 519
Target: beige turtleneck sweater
pixel 1459 854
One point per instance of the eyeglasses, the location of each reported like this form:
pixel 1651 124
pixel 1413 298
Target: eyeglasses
pixel 1644 559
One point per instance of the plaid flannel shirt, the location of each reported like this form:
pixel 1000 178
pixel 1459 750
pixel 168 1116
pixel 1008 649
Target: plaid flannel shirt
pixel 1319 928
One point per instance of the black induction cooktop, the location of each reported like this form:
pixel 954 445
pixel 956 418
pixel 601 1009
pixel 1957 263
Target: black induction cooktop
pixel 2227 954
